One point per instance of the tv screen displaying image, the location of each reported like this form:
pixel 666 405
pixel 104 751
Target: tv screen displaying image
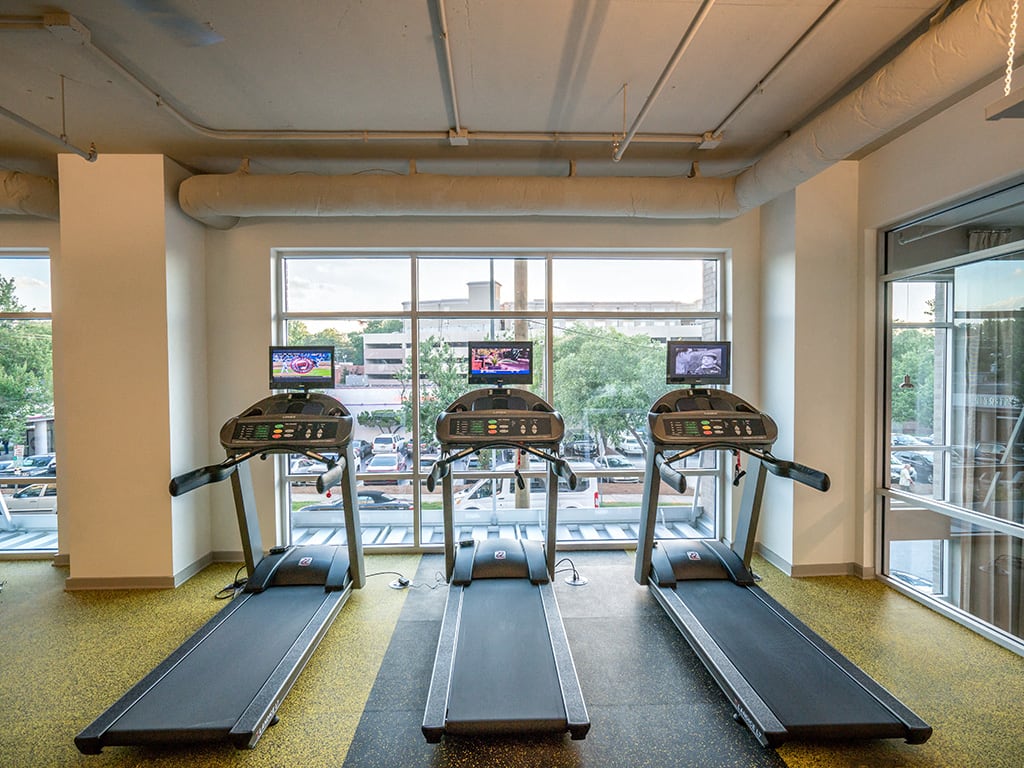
pixel 301 367
pixel 698 362
pixel 510 362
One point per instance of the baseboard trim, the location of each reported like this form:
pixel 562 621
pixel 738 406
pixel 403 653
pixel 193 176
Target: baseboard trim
pixel 189 571
pixel 84 583
pixel 227 556
pixel 818 569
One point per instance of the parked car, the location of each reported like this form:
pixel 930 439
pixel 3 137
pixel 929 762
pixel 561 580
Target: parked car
pixel 920 464
pixel 994 453
pixel 900 439
pixel 362 448
pixel 38 465
pixel 629 446
pixel 366 499
pixel 33 498
pixel 303 465
pixel 388 444
pixel 580 444
pixel 385 462
pixel 615 462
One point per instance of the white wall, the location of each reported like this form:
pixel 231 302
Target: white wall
pixel 187 376
pixel 240 289
pixel 778 362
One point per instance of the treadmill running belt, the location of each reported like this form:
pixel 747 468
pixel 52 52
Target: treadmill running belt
pixel 807 691
pixel 504 678
pixel 206 692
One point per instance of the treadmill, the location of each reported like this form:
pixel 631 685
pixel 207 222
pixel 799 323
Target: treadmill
pixel 503 664
pixel 226 682
pixel 784 681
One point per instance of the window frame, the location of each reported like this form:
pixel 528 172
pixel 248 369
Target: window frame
pixel 413 313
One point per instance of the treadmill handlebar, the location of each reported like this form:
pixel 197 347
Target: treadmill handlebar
pixel 800 473
pixel 675 479
pixel 197 478
pixel 332 476
pixel 564 471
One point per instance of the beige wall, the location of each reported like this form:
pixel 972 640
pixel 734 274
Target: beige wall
pixel 112 284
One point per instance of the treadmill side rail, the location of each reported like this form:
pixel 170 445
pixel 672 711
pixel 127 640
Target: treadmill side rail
pixel 440 680
pixel 577 719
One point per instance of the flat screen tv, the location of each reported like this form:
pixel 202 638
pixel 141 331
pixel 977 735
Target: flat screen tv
pixel 698 362
pixel 302 367
pixel 510 362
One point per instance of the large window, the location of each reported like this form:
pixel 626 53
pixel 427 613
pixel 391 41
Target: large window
pixel 954 457
pixel 28 464
pixel 400 323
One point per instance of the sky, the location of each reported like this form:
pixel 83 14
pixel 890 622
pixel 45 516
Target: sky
pixel 381 283
pixel 31 281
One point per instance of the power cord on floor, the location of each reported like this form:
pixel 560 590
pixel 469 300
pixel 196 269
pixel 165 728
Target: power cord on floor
pixel 576 579
pixel 403 582
pixel 231 590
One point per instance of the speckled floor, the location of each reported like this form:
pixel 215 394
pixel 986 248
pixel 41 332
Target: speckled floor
pixel 66 656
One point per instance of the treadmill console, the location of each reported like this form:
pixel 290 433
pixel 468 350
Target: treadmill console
pixel 284 422
pixel 689 417
pixel 491 416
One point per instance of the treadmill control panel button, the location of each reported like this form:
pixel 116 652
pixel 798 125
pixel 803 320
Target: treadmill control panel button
pixel 469 428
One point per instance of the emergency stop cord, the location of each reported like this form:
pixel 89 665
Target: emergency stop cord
pixel 737 471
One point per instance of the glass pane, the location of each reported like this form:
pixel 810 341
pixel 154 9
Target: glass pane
pixel 607 373
pixel 385 513
pixel 350 284
pixel 26 386
pixel 988 388
pixel 967 566
pixel 374 389
pixel 24 284
pixel 635 285
pixel 464 284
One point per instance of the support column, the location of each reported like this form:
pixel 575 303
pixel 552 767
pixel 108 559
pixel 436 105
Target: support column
pixel 131 375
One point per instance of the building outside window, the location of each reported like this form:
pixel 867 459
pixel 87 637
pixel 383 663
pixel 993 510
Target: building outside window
pixel 400 324
pixel 28 464
pixel 953 474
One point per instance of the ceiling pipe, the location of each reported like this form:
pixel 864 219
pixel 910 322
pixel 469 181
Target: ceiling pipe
pixel 26 194
pixel 808 34
pixel 455 137
pixel 67 28
pixel 666 73
pixel 965 49
pixel 88 154
pixel 221 200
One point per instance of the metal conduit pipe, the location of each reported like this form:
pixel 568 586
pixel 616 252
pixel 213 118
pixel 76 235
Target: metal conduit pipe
pixel 443 19
pixel 763 82
pixel 688 36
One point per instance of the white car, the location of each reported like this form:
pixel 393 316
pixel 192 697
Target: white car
pixel 33 498
pixel 630 446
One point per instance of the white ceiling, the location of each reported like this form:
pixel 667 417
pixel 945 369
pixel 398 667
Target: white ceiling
pixel 582 69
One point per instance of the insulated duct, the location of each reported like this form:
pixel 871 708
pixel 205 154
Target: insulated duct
pixel 220 200
pixel 29 195
pixel 954 55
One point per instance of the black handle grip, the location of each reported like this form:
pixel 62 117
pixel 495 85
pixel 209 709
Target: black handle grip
pixel 800 473
pixel 675 479
pixel 197 478
pixel 564 471
pixel 331 477
pixel 437 472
